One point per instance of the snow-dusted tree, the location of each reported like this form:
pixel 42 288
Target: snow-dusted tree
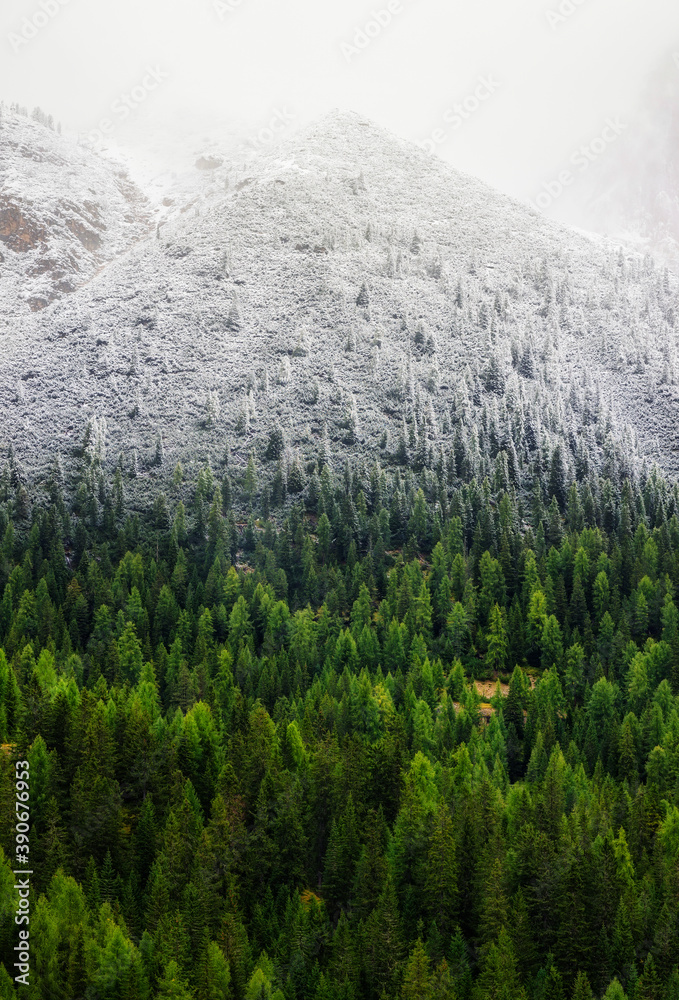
pixel 212 408
pixel 250 480
pixel 430 345
pixel 435 268
pixel 363 298
pixel 137 404
pixel 296 475
pixel 134 471
pixel 160 449
pixel 284 371
pixel 276 443
pixel 279 486
pixel 243 421
pixel 302 346
pixel 250 402
pixel 420 335
pixel 430 417
pixel 351 420
pixel 651 391
pixel 235 319
pixel 313 392
pixel 495 378
pixel 89 441
pixel 94 440
pixel 398 385
pixel 326 452
pixel 402 446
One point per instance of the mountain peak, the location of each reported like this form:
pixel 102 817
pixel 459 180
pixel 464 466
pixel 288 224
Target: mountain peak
pixel 344 283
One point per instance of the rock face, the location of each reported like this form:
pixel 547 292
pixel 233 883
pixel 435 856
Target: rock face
pixel 209 162
pixel 367 299
pixel 64 213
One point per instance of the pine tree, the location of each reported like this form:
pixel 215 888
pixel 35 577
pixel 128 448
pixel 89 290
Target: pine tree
pixel 363 299
pixel 495 378
pixel 581 989
pixel 494 906
pixel 496 656
pixel 499 977
pixel 160 449
pixel 341 855
pixel 440 879
pixel 276 444
pixel 172 986
pixel 250 480
pixel 235 319
pixel 212 408
pixel 417 980
pixel 558 482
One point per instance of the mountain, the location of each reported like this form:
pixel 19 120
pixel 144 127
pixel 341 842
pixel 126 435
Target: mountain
pixel 64 213
pixel 365 297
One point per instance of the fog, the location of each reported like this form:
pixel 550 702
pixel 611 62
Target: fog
pixel 532 79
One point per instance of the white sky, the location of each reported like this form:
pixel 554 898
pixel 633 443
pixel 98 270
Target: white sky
pixel 557 85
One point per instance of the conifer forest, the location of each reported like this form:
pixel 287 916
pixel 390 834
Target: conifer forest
pixel 339 500
pixel 404 734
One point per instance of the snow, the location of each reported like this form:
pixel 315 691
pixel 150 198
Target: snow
pixel 64 213
pixel 285 236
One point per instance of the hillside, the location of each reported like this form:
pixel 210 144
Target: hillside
pixel 64 213
pixel 376 694
pixel 370 299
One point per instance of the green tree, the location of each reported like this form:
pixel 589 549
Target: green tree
pixel 417 979
pixel 172 986
pixel 458 627
pixel 499 976
pixel 441 872
pixel 496 656
pixel 250 479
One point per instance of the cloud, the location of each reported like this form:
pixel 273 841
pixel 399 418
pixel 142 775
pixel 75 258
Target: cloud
pixel 235 61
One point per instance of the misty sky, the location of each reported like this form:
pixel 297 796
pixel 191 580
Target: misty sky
pixel 536 83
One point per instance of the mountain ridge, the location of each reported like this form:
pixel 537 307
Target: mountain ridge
pixel 358 292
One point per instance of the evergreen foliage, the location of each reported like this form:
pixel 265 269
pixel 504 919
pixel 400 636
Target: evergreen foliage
pixel 400 736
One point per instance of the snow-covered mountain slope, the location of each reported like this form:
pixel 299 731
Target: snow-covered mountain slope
pixel 64 213
pixel 372 301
